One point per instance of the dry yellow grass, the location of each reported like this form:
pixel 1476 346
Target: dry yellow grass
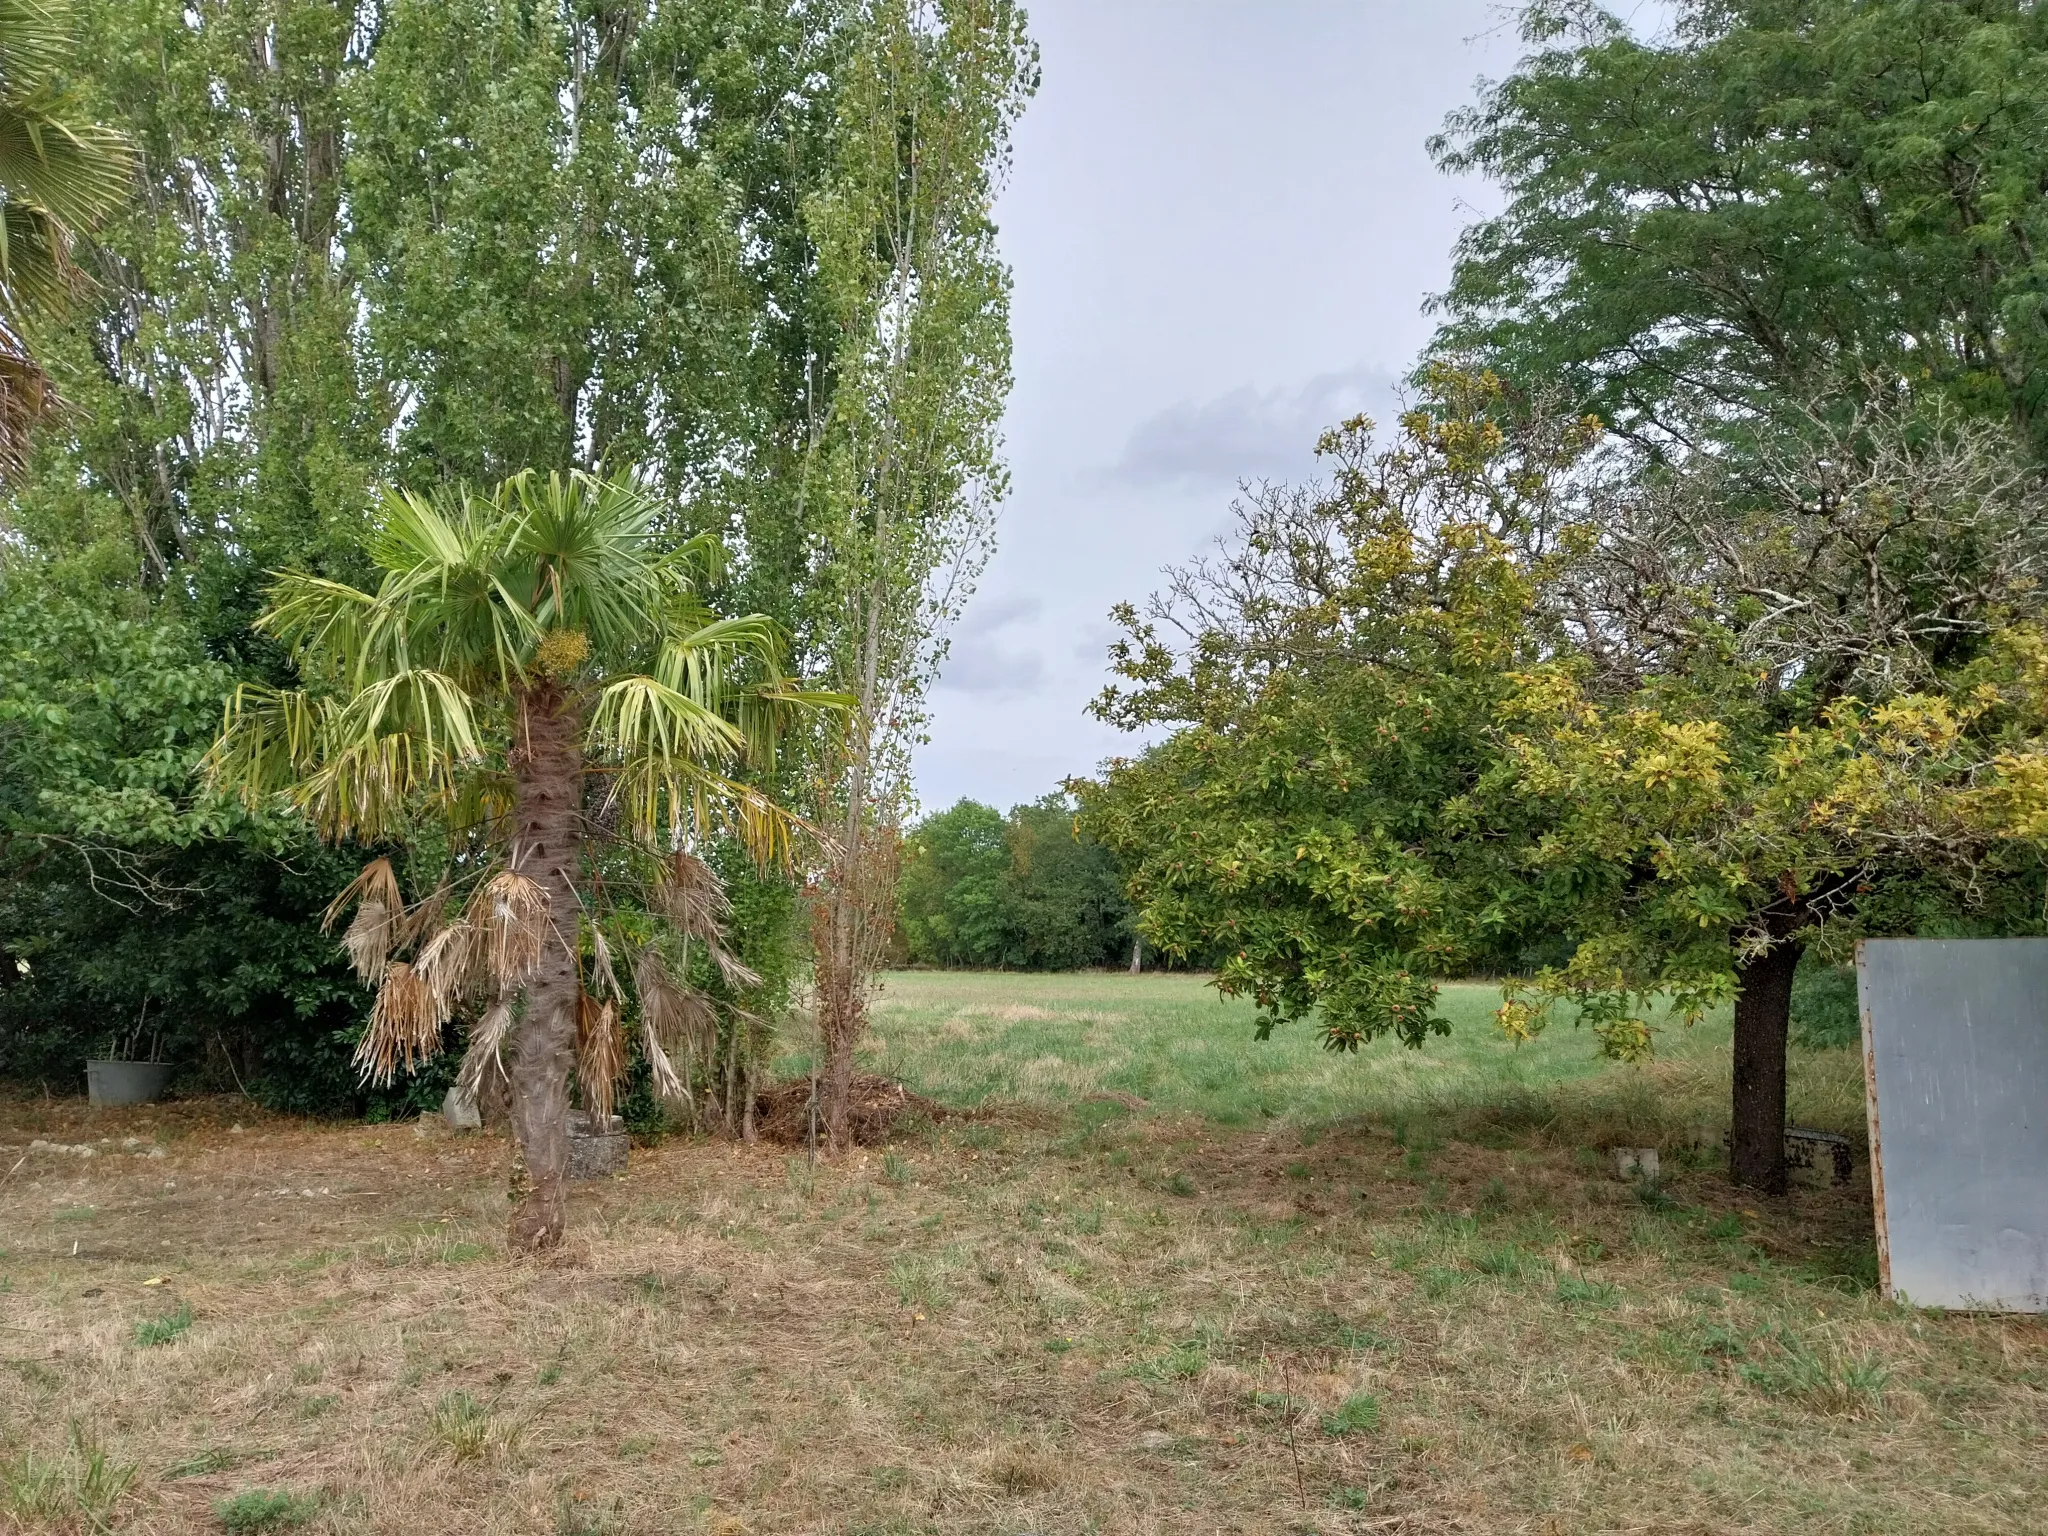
pixel 1092 1321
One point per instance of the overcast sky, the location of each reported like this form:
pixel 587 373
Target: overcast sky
pixel 1223 226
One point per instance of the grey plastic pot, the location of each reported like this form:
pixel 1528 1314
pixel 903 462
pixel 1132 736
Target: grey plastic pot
pixel 126 1082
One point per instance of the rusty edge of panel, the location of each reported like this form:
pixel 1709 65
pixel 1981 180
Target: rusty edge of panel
pixel 1884 1247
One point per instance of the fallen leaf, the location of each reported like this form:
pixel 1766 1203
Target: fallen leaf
pixel 156 1279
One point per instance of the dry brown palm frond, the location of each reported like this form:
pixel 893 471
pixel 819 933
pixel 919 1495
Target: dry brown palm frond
pixel 369 940
pixel 511 913
pixel 376 882
pixel 405 1026
pixel 681 1018
pixel 25 399
pixel 737 973
pixel 375 930
pixel 425 916
pixel 668 1083
pixel 451 963
pixel 600 1054
pixel 601 964
pixel 691 896
pixel 486 1049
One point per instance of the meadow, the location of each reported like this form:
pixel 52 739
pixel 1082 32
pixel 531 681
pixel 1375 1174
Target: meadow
pixel 1142 1274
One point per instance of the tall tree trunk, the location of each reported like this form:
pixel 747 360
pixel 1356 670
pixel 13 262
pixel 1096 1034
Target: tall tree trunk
pixel 840 1039
pixel 1763 1020
pixel 547 770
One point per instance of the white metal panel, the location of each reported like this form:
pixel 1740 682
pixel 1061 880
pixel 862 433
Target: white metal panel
pixel 1955 1053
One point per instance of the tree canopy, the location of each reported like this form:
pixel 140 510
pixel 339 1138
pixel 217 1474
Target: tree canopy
pixel 425 243
pixel 61 173
pixel 1495 691
pixel 1776 194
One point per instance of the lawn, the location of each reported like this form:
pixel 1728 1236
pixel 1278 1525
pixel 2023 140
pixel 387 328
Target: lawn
pixel 967 1038
pixel 1150 1276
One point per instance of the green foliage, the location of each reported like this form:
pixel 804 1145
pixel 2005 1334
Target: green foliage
pixel 129 897
pixel 468 238
pixel 1775 192
pixel 951 889
pixel 1824 1009
pixel 1358 1414
pixel 152 1331
pixel 76 1491
pixel 1066 901
pixel 1337 690
pixel 61 174
pixel 1496 687
pixel 541 611
pixel 266 1509
pixel 1028 892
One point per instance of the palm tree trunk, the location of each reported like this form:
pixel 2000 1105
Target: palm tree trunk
pixel 547 772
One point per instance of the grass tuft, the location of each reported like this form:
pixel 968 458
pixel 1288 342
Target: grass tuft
pixel 1358 1414
pixel 1829 1384
pixel 463 1425
pixel 78 1489
pixel 214 1458
pixel 266 1509
pixel 152 1331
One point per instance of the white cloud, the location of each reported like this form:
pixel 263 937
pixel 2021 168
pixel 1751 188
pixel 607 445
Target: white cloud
pixel 1250 434
pixel 980 662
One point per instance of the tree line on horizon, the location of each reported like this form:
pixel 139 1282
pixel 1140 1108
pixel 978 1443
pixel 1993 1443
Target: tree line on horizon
pixel 1027 891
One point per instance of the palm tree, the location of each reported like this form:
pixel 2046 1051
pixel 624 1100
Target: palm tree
pixel 535 680
pixel 60 174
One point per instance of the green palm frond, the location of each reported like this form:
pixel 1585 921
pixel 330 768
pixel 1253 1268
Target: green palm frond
pixel 269 739
pixel 642 719
pixel 73 172
pixel 60 174
pixel 354 767
pixel 655 798
pixel 426 705
pixel 35 41
pixel 324 623
pixel 372 787
pixel 585 551
pixel 561 583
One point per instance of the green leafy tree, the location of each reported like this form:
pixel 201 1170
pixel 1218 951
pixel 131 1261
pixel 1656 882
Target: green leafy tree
pixel 903 466
pixel 1489 692
pixel 1330 682
pixel 952 896
pixel 1776 194
pixel 1803 702
pixel 1065 892
pixel 518 645
pixel 420 242
pixel 1030 891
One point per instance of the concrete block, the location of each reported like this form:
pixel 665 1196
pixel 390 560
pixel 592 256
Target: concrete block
pixel 595 1150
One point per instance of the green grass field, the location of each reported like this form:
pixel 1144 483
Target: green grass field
pixel 1053 1041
